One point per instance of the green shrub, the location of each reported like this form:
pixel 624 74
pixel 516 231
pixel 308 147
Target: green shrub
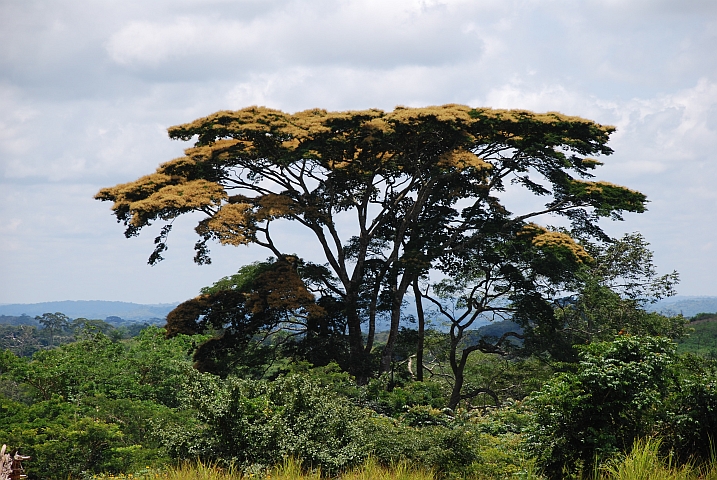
pixel 256 422
pixel 64 440
pixel 690 426
pixel 631 388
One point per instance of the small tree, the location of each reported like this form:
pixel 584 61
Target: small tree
pixel 612 294
pixel 54 322
pixel 507 276
pixel 621 391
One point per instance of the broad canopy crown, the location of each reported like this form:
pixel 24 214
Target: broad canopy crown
pixel 327 161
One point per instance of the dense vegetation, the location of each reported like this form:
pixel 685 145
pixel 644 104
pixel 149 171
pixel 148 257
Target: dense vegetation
pixel 703 338
pixel 102 404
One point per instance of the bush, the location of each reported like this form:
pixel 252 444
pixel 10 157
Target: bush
pixel 256 422
pixel 690 428
pixel 631 388
pixel 64 441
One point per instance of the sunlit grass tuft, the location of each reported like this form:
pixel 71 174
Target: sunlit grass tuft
pixel 372 470
pixel 644 462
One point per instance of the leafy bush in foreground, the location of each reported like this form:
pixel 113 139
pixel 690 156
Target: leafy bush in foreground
pixel 631 388
pixel 89 406
pixel 257 423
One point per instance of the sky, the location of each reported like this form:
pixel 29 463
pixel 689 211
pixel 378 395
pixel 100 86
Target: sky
pixel 88 89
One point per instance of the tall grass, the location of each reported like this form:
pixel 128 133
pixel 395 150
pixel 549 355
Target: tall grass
pixel 289 470
pixel 644 462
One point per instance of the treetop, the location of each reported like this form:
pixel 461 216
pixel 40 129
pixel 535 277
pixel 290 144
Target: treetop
pixel 251 166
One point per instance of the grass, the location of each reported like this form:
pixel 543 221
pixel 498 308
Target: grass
pixel 289 470
pixel 644 462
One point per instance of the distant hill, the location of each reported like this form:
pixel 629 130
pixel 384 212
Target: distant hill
pixel 689 306
pixel 497 329
pixel 93 309
pixel 686 305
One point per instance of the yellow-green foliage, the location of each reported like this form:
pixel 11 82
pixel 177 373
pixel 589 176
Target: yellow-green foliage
pixel 501 456
pixel 644 462
pixel 551 240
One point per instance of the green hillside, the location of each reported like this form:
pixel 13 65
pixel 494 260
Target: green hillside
pixel 703 339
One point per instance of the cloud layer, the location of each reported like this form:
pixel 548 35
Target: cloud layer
pixel 89 88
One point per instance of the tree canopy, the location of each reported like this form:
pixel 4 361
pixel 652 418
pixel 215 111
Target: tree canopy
pixel 415 188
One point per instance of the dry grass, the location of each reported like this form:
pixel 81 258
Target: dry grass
pixel 289 470
pixel 644 462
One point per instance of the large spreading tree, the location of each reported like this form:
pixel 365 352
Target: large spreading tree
pixel 416 189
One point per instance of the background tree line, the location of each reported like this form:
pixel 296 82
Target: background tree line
pixel 25 335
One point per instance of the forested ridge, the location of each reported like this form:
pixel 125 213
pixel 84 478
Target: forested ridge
pixel 286 359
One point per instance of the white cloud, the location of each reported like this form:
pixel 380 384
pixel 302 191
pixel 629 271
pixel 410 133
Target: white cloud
pixel 152 43
pixel 367 33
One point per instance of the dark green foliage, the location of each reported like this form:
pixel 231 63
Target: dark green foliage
pixel 252 314
pixel 508 378
pixel 621 391
pixel 383 396
pixel 613 292
pixel 259 422
pixel 691 426
pixel 447 449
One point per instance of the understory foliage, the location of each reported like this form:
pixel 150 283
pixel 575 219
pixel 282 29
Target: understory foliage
pixel 89 406
pixel 101 406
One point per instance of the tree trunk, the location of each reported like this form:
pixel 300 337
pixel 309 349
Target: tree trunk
pixel 421 331
pixel 387 352
pixel 456 392
pixel 358 362
pixel 397 300
pixel 456 366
